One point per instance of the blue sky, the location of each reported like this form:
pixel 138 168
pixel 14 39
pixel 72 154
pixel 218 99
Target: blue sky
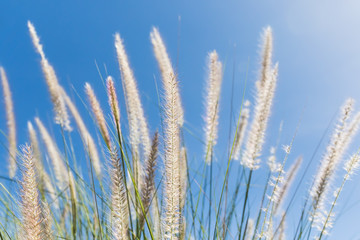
pixel 315 43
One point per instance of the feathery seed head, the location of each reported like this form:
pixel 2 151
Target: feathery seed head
pixel 44 178
pixel 61 114
pixel 98 113
pixel 166 69
pixel 266 55
pixel 33 139
pixel 113 101
pixel 46 222
pixel 285 187
pixel 212 104
pixel 352 164
pixel 265 94
pixel 240 133
pixel 273 165
pixel 139 132
pixel 36 151
pixel 30 205
pixel 119 211
pixel 341 138
pixel 183 176
pixel 148 194
pixel 36 40
pixel 10 122
pixel 172 214
pixel 286 149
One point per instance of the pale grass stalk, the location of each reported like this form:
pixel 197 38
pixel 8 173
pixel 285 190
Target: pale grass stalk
pixel 72 187
pixel 156 218
pixel 249 229
pixel 273 165
pixel 98 113
pixel 282 227
pixel 137 122
pixel 64 215
pixel 148 194
pixel 269 232
pixel 166 69
pixel 338 144
pixel 44 178
pixel 240 133
pixel 119 211
pixel 275 182
pixel 285 187
pixel 10 122
pixel 212 104
pixel 265 93
pixel 55 156
pixel 183 176
pixel 172 214
pixel 30 202
pixel 46 222
pixel 183 189
pixel 61 114
pixel 113 101
pixel 36 150
pixel 85 135
pixel 132 197
pixel 350 166
pixel 267 48
pixel 350 131
pixel 138 177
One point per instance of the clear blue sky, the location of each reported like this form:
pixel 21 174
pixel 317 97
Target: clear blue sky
pixel 315 42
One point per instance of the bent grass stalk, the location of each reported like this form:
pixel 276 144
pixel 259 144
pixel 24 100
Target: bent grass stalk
pixel 350 166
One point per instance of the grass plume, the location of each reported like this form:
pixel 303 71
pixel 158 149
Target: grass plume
pixel 212 104
pixel 265 93
pixel 98 113
pixel 30 201
pixel 119 212
pixel 61 114
pixel 166 69
pixel 172 214
pixel 10 122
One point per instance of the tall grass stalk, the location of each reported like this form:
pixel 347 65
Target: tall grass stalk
pixel 10 121
pixel 61 114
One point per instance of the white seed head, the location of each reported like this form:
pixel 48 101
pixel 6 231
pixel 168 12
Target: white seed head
pixel 98 113
pixel 61 115
pixel 166 70
pixel 10 122
pixel 212 104
pixel 139 132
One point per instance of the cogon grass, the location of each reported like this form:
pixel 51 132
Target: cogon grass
pixel 154 191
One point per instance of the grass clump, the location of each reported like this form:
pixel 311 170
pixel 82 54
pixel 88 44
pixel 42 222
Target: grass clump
pixel 135 187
